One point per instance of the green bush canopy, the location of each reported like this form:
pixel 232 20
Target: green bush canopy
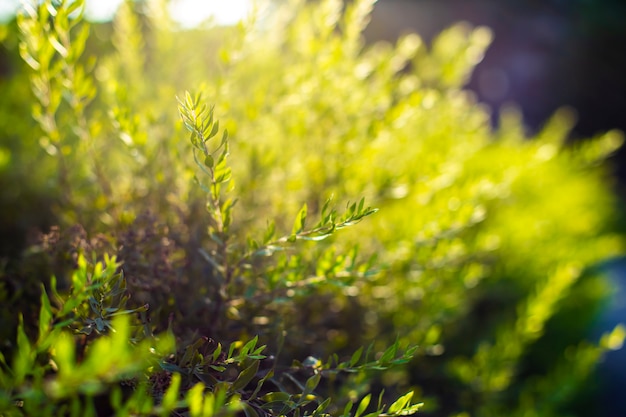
pixel 179 223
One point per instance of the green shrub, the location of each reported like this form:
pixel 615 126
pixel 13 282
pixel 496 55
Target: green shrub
pixel 181 285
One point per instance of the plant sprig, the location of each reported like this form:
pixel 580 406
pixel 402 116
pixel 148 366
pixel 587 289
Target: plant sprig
pixel 330 221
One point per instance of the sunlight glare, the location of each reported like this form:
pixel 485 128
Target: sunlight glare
pixel 190 13
pixel 8 9
pixel 101 11
pixel 187 13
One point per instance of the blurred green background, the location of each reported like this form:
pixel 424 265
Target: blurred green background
pixel 545 54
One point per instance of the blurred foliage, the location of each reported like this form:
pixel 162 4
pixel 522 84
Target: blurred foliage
pixel 482 254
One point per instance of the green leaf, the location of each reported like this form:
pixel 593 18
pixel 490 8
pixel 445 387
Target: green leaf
pixel 224 175
pixel 311 384
pixel 224 154
pixel 273 397
pixel 203 110
pixel 400 403
pixel 191 351
pixel 95 306
pixel 217 352
pixel 351 209
pixel 300 222
pixel 195 399
pixel 380 399
pixel 365 402
pixel 325 207
pixel 245 377
pixel 231 350
pixel 356 356
pixel 214 130
pixel 269 232
pixel 411 410
pixel 321 408
pixel 208 161
pixel 65 354
pixel 23 362
pixel 45 316
pixel 74 5
pixel 189 102
pixel 389 354
pixel 267 376
pixel 347 409
pixel 410 352
pixel 249 346
pixel 170 398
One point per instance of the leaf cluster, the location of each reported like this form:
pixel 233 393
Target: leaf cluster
pixel 191 289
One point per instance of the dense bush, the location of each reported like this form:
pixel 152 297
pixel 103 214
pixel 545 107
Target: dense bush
pixel 175 280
